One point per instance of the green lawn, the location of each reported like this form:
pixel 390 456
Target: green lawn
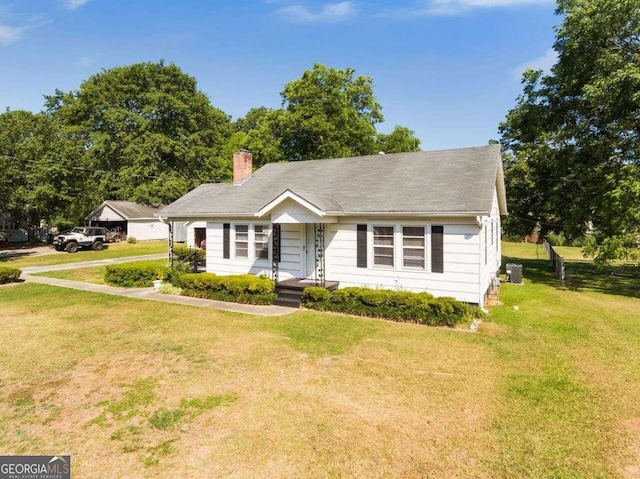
pixel 112 250
pixel 88 275
pixel 548 387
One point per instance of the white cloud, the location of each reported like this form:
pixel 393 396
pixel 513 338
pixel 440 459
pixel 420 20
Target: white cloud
pixel 9 35
pixel 73 4
pixel 544 63
pixel 328 13
pixel 454 7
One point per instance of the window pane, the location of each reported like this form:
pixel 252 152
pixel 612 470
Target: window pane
pixel 413 262
pixel 383 249
pixel 383 230
pixel 383 240
pixel 413 247
pixel 413 231
pixel 415 242
pixel 242 241
pixel 383 260
pixel 261 234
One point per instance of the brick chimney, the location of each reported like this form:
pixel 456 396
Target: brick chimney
pixel 242 165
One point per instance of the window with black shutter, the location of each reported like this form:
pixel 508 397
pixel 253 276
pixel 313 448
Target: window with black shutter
pixel 437 250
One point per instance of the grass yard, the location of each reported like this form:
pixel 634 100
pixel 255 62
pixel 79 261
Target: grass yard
pixel 88 275
pixel 138 389
pixel 111 250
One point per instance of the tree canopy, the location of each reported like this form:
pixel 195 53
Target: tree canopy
pixel 147 133
pixel 327 113
pixel 38 179
pixel 573 139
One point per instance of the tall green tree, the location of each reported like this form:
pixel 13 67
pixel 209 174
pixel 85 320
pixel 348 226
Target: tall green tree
pixel 574 135
pixel 330 113
pixel 38 178
pixel 327 113
pixel 146 132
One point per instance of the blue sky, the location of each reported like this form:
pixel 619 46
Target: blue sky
pixel 447 69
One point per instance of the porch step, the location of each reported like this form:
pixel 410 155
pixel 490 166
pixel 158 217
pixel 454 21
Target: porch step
pixel 289 292
pixel 288 296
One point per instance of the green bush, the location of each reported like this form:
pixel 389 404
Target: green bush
pixel 315 294
pixel 244 288
pixel 556 239
pixel 9 275
pixel 405 306
pixel 175 274
pixel 137 275
pixel 182 253
pixel 132 240
pixel 586 241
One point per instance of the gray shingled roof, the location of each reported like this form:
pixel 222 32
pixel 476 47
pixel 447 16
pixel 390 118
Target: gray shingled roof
pixel 129 210
pixel 456 182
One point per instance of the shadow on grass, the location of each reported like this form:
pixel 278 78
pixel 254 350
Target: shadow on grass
pixel 620 280
pixel 13 255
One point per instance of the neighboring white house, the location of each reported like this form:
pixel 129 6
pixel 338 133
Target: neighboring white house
pixel 136 220
pixel 424 221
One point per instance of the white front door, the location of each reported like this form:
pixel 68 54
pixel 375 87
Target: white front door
pixel 310 250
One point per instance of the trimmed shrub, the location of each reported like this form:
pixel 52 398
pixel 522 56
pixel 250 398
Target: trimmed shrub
pixel 315 295
pixel 135 275
pixel 421 308
pixel 9 275
pixel 244 288
pixel 132 240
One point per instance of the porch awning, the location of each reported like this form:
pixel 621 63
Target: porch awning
pixel 301 207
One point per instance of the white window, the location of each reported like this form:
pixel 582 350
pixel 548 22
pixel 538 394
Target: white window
pixel 413 247
pixel 261 241
pixel 242 241
pixel 383 246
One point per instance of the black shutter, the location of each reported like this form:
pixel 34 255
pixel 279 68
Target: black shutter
pixel 226 230
pixel 437 252
pixel 362 246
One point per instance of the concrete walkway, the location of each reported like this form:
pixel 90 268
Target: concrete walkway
pixel 143 293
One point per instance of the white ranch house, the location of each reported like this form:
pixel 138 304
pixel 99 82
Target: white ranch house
pixel 424 221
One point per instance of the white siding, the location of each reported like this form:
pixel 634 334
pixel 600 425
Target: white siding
pixel 460 278
pixel 490 251
pixel 191 240
pixel 147 230
pixel 108 214
pixel 292 237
